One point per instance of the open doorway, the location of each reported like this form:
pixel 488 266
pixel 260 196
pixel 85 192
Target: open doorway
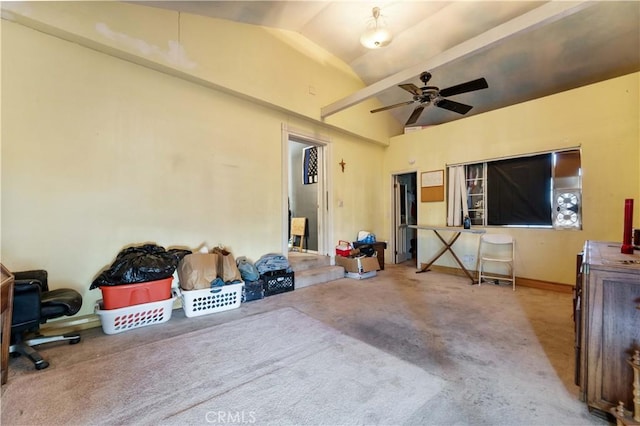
pixel 405 208
pixel 305 190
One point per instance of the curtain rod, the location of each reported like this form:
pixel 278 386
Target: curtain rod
pixel 509 157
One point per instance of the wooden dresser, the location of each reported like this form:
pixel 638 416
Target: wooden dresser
pixel 6 303
pixel 608 324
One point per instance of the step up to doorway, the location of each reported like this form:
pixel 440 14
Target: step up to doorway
pixel 311 269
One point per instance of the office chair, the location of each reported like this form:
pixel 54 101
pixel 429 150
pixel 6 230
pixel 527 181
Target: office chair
pixel 34 304
pixel 497 249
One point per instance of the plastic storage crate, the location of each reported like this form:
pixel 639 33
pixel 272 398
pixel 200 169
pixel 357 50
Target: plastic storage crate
pixel 211 300
pixel 123 319
pixel 277 282
pixel 253 290
pixel 119 296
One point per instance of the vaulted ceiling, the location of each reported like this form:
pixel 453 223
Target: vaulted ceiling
pixel 524 49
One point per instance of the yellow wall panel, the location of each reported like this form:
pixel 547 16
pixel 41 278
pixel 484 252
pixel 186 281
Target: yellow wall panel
pixel 608 136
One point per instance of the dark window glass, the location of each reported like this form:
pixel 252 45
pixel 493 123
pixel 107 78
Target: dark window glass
pixel 519 191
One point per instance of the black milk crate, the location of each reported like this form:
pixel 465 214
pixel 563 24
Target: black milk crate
pixel 253 290
pixel 276 282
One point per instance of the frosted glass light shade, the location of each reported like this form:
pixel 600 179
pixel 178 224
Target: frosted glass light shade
pixel 375 38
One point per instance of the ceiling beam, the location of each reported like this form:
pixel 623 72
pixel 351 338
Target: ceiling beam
pixel 540 16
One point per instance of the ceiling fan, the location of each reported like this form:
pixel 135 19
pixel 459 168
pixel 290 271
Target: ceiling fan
pixel 428 95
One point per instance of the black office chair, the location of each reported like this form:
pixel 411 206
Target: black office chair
pixel 34 304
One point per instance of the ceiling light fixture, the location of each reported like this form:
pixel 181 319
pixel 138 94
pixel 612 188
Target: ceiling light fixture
pixel 376 36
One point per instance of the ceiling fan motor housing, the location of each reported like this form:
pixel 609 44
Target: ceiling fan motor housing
pixel 425 77
pixel 429 94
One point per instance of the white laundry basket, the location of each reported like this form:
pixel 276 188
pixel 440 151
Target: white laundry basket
pixel 211 300
pixel 135 316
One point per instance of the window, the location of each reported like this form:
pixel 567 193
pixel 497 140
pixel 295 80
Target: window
pixel 310 165
pixel 540 190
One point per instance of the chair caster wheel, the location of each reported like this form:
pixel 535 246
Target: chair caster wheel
pixel 74 341
pixel 41 365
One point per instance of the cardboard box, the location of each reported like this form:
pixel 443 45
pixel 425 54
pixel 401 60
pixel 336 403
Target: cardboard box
pixel 358 264
pixel 411 129
pixel 360 276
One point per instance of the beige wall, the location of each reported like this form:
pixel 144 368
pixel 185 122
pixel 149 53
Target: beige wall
pixel 99 153
pixel 603 119
pixel 274 67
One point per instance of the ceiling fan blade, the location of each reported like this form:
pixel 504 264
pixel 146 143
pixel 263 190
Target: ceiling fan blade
pixel 411 88
pixel 391 106
pixel 414 116
pixel 454 106
pixel 469 86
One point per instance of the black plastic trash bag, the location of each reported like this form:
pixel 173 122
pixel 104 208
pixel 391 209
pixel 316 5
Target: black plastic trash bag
pixel 147 262
pixel 367 250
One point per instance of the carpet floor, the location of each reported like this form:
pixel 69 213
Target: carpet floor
pixel 279 367
pixel 479 356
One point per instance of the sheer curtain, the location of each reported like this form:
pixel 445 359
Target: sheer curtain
pixel 457 196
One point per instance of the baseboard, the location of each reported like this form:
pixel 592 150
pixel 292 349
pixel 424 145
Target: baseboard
pixel 544 285
pixel 520 281
pixel 68 325
pixel 71 324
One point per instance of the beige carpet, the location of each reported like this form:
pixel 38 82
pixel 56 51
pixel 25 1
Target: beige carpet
pixel 280 367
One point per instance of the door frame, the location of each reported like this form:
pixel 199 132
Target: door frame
pixel 324 193
pixel 393 231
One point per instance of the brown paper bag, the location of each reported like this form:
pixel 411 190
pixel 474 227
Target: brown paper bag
pixel 196 271
pixel 227 268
